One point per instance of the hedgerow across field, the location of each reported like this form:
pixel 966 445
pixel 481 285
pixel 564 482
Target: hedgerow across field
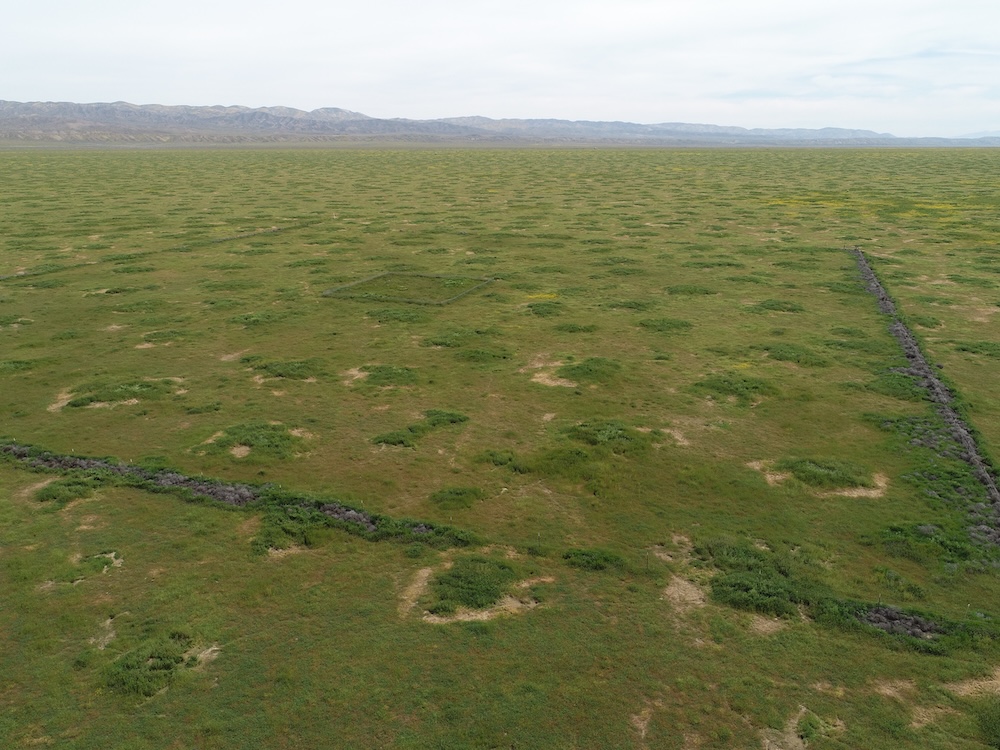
pixel 676 484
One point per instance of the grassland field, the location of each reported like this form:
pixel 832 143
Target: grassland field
pixel 643 395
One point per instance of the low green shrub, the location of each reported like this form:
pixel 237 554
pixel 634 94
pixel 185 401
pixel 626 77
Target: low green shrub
pixel 826 472
pixel 474 582
pixel 457 497
pixel 590 370
pixel 593 559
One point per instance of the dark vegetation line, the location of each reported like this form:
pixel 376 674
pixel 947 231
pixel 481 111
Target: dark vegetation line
pixel 928 379
pixel 288 516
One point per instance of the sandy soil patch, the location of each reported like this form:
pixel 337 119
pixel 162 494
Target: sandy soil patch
pixel 771 477
pixel 896 689
pixel 677 435
pixel 355 373
pixel 249 527
pixel 26 492
pixel 684 595
pixel 62 398
pixel 787 738
pixel 301 432
pixel 539 362
pixel 114 561
pixel 107 635
pixel 766 625
pixel 548 417
pixel 146 345
pixel 278 393
pixel 408 599
pixel 509 605
pixel 881 484
pixel 233 356
pixel 980 686
pixel 640 721
pixel 277 554
pixel 115 327
pixel 239 451
pixel 88 523
pixel 205 656
pixel 924 715
pixel 982 314
pixel 214 437
pixel 547 378
pixel 826 687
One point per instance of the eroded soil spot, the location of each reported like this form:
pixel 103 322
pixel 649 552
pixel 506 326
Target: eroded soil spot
pixel 771 477
pixel 980 686
pixel 62 398
pixel 239 451
pixel 684 595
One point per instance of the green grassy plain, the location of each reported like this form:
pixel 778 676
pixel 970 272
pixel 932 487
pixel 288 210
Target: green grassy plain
pixel 672 377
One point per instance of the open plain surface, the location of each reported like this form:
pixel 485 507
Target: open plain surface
pixel 544 449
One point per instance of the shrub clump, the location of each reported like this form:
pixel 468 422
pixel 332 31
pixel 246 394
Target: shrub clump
pixel 743 387
pixel 593 559
pixel 262 438
pixel 826 472
pixel 777 305
pixel 800 355
pixel 590 370
pixel 151 666
pixel 610 434
pixel 383 375
pixel 451 498
pixel 473 582
pixel 665 325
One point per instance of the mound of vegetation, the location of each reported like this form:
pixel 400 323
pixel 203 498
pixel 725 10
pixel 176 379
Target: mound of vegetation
pixel 407 437
pixel 473 582
pixel 665 325
pixel 610 434
pixel 453 498
pixel 800 355
pixel 826 472
pixel 590 370
pixel 387 375
pixel 777 305
pixel 744 388
pixel 262 438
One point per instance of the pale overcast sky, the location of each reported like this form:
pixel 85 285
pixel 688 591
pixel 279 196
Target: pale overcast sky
pixel 908 67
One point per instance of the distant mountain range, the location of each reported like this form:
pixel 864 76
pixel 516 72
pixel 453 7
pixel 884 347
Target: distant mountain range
pixel 122 123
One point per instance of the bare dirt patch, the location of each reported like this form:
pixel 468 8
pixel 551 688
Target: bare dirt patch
pixel 277 554
pixel 980 686
pixel 107 635
pixel 881 484
pixel 146 345
pixel 301 432
pixel 355 373
pixel 547 378
pixel 766 625
pixel 233 356
pixel 62 398
pixel 677 435
pixel 31 489
pixel 786 738
pixel 239 451
pixel 895 689
pixel 509 605
pixel 826 687
pixel 924 715
pixel 88 523
pixel 115 327
pixel 684 595
pixel 548 417
pixel 771 477
pixel 408 599
pixel 205 656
